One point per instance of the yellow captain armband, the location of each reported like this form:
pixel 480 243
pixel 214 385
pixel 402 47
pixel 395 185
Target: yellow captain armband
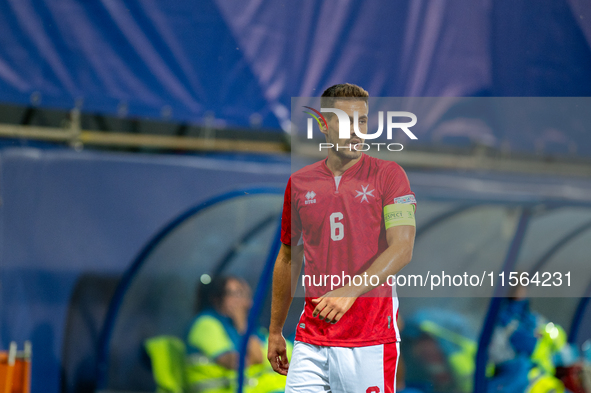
pixel 399 214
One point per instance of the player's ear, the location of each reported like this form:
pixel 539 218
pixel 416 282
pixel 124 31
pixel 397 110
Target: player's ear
pixel 322 125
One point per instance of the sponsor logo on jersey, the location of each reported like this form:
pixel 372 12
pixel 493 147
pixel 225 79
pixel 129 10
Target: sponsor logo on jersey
pixel 405 199
pixel 302 325
pixel 310 197
pixel 364 193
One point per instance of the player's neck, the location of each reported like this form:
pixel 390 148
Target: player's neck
pixel 338 165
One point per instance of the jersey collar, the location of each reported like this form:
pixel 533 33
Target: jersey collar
pixel 349 172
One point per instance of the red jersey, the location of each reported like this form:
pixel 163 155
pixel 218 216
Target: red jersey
pixel 340 222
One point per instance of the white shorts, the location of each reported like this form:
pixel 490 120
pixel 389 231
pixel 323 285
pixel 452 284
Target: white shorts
pixel 319 369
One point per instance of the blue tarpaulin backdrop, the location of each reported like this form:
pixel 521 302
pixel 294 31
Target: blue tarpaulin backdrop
pixel 64 214
pixel 189 60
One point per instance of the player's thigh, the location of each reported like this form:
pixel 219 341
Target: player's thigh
pixel 364 369
pixel 308 369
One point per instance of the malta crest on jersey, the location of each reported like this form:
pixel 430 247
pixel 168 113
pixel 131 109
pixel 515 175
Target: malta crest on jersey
pixel 364 193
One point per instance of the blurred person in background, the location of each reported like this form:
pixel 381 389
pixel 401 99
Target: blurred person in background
pixel 523 348
pixel 440 351
pixel 214 337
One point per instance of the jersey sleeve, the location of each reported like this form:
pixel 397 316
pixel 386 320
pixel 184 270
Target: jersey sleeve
pixel 290 224
pixel 209 337
pixel 396 187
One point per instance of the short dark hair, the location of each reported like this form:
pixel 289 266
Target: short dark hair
pixel 343 90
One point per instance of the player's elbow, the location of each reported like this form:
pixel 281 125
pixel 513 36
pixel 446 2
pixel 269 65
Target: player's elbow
pixel 284 256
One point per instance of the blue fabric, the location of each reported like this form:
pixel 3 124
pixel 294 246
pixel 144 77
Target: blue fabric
pixel 511 376
pixel 524 339
pixel 176 59
pixel 226 60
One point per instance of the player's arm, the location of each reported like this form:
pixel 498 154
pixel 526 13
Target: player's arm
pixel 400 234
pixel 285 275
pixel 401 241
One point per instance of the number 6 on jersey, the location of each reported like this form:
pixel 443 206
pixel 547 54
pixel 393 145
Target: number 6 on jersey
pixel 337 229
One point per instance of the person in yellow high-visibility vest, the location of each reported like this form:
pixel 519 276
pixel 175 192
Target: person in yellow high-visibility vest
pixel 214 338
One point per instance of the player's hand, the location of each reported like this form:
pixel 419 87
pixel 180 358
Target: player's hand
pixel 277 354
pixel 331 306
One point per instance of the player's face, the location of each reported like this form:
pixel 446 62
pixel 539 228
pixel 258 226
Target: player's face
pixel 350 106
